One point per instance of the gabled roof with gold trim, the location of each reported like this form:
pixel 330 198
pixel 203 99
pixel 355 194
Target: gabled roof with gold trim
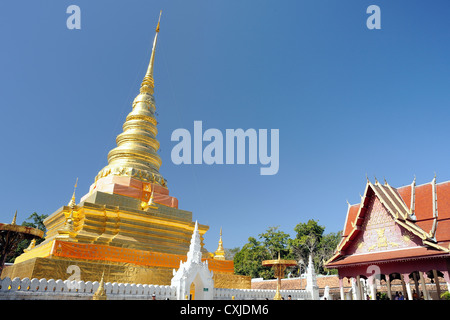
pixel 415 208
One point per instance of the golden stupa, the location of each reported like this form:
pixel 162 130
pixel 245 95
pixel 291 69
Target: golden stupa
pixel 127 226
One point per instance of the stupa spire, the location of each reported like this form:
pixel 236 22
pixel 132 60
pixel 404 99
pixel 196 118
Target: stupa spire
pixel 136 152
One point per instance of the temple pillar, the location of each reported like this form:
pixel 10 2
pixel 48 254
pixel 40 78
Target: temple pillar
pixel 436 282
pixel 403 285
pixel 447 279
pixel 341 288
pixel 359 288
pixel 416 283
pixel 388 284
pixel 373 287
pixel 424 286
pixel 354 289
pixel 405 280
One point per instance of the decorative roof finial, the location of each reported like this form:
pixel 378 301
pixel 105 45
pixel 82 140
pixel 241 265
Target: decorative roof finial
pixel 14 218
pixel 435 208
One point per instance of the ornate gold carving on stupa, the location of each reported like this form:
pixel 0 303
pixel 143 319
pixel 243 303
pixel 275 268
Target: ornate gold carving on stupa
pixel 149 204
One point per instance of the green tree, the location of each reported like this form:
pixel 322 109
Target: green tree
pixel 306 241
pixel 276 242
pixel 230 253
pixel 309 239
pixel 326 250
pixel 34 221
pixel 248 261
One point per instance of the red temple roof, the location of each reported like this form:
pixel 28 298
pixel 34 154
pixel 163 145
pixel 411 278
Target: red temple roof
pixel 420 213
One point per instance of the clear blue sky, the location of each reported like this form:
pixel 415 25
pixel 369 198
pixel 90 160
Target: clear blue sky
pixel 348 101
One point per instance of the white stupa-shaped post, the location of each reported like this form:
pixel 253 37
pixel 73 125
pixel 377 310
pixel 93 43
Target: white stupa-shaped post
pixel 194 254
pixel 194 271
pixel 311 280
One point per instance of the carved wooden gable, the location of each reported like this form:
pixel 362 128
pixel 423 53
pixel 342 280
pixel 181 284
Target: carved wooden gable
pixel 379 232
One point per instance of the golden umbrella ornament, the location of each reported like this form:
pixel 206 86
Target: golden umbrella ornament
pixel 279 266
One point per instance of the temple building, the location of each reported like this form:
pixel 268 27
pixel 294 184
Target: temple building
pixel 396 233
pixel 127 227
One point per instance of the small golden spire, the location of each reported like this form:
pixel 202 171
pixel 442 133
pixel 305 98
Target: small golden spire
pixel 14 218
pixel 100 294
pixel 219 254
pixel 72 202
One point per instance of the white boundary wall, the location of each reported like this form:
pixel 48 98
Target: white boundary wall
pixel 258 294
pixel 37 289
pixel 43 289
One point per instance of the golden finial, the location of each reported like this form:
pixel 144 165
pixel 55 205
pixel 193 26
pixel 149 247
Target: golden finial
pixel 219 254
pixel 14 218
pixel 148 84
pixel 159 19
pixel 72 202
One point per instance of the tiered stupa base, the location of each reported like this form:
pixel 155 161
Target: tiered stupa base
pixel 112 233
